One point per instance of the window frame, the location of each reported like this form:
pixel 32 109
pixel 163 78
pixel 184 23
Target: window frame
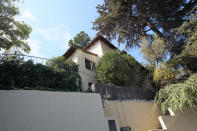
pixel 116 122
pixel 90 65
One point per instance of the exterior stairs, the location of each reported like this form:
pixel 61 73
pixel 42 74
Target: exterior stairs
pixel 165 121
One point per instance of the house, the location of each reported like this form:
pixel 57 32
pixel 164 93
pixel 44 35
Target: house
pixel 87 58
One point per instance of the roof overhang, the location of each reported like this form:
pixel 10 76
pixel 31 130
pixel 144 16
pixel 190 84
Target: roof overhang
pixel 99 37
pixel 71 50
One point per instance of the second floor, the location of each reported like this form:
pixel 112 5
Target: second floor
pixel 88 57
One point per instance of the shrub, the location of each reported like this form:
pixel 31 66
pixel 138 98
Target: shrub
pixel 19 74
pixel 178 96
pixel 60 62
pixel 116 68
pixel 164 74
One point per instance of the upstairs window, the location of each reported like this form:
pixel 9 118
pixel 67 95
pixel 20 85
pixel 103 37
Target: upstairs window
pixel 89 65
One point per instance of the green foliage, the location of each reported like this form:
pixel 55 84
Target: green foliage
pixel 178 96
pixel 154 52
pixel 12 33
pixel 185 58
pixel 80 40
pixel 130 20
pixel 188 32
pixel 60 62
pixel 164 74
pixel 173 23
pixel 116 68
pixel 19 74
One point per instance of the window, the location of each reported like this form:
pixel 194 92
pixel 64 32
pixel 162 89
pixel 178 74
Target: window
pixel 89 65
pixel 112 125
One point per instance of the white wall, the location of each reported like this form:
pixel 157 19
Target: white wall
pixel 96 49
pixel 100 48
pixel 105 48
pixel 75 59
pixel 51 111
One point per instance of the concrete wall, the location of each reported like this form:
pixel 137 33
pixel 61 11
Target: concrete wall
pixel 182 121
pixel 51 111
pixel 138 115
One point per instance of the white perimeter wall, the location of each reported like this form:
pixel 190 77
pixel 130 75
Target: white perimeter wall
pixel 51 111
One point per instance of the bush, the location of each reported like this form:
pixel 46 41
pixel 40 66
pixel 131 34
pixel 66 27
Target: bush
pixel 116 68
pixel 19 74
pixel 178 96
pixel 164 74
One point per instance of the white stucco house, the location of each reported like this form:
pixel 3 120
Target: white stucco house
pixel 87 59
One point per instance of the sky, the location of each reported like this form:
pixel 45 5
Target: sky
pixel 55 22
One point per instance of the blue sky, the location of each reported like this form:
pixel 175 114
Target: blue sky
pixel 54 22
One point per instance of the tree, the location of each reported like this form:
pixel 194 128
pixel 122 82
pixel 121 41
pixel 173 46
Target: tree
pixel 178 96
pixel 188 30
pixel 80 40
pixel 61 63
pixel 12 32
pixel 188 33
pixel 116 68
pixel 129 20
pixel 164 75
pixel 155 52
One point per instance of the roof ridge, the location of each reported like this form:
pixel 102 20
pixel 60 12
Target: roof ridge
pixel 99 37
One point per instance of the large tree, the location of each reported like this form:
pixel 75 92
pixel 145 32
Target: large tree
pixel 188 33
pixel 154 52
pixel 80 40
pixel 13 33
pixel 129 20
